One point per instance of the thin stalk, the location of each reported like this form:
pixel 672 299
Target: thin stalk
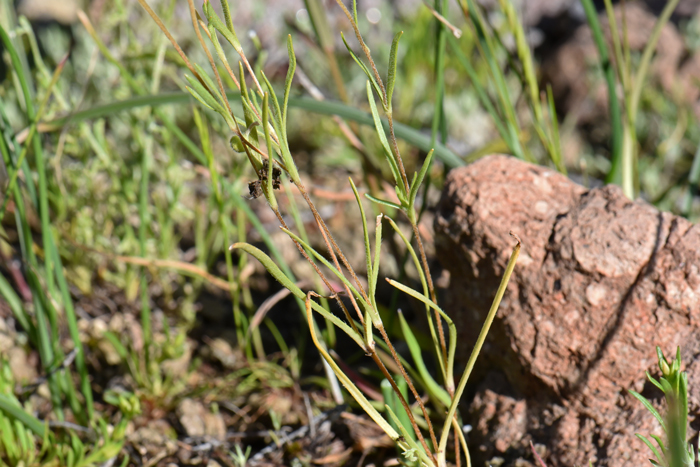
pixel 324 36
pixel 477 349
pixel 693 181
pixel 83 18
pixel 329 240
pixel 615 174
pixel 39 157
pixel 622 71
pixel 426 456
pixel 212 63
pixel 144 219
pixel 438 118
pixel 32 132
pixel 395 356
pixel 294 211
pixel 325 281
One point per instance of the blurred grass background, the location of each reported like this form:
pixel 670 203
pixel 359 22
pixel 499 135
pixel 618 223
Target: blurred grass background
pixel 128 193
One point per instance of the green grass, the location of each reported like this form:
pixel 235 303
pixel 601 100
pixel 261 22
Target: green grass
pixel 139 149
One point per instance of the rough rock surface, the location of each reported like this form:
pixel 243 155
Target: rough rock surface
pixel 600 282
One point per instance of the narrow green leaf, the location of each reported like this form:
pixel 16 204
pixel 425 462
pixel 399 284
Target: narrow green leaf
pixel 275 271
pixel 368 253
pixel 649 407
pixel 281 133
pixel 409 440
pixel 382 201
pixel 330 266
pixel 400 195
pixel 13 409
pixel 419 180
pixel 650 446
pixel 654 381
pixel 213 88
pixel 369 74
pixel 116 343
pixel 391 79
pixel 15 304
pixel 414 348
pixel 319 22
pixel 201 94
pixel 270 195
pixel 453 329
pixel 229 34
pixel 649 49
pixel 375 264
pixel 683 404
pixel 277 114
pixel 382 137
pixel 615 174
pixel 248 114
pixel 555 154
pixel 288 82
pixel 659 441
pixel 227 15
pixel 429 317
pixel 347 382
pixel 410 135
pixel 668 389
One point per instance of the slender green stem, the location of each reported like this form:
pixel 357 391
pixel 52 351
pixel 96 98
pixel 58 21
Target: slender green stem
pixel 615 174
pixel 693 182
pixel 144 220
pixel 475 352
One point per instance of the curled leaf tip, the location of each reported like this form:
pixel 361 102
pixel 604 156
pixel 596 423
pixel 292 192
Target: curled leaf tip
pixel 515 236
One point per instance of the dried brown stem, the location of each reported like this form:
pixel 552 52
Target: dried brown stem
pixel 458 461
pixel 160 263
pixel 212 63
pixel 433 297
pixel 365 49
pixel 404 403
pixel 395 145
pixel 323 278
pixel 328 238
pixel 455 30
pixel 163 28
pixel 230 72
pixel 395 356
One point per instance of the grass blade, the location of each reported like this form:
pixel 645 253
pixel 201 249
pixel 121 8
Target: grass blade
pixel 416 352
pixel 391 78
pixel 477 347
pixel 13 409
pixel 288 83
pixel 275 271
pixel 615 174
pixel 650 408
pixel 326 107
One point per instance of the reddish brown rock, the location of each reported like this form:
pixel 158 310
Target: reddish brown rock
pixel 600 282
